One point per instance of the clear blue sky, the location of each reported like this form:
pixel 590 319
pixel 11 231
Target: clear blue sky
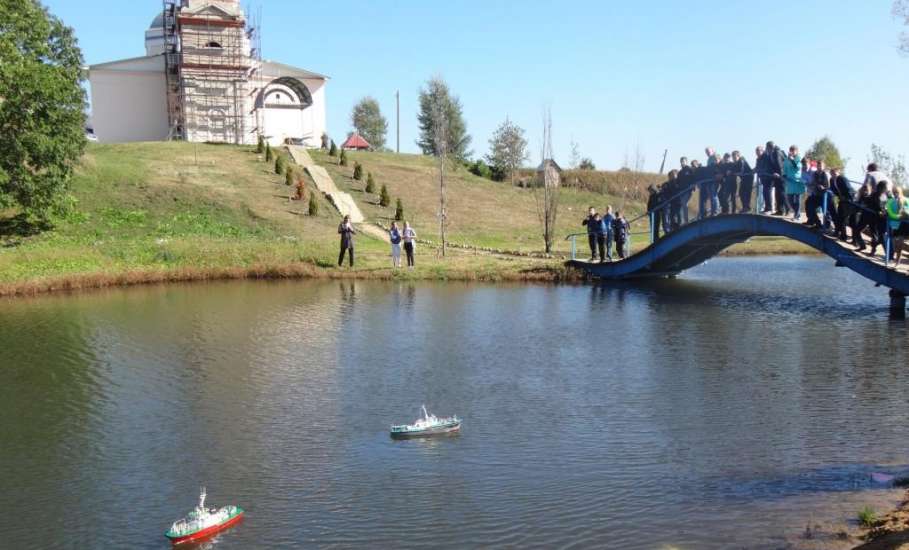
pixel 661 74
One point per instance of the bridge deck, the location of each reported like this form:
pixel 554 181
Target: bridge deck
pixel 695 243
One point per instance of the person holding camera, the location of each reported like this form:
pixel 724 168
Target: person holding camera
pixel 347 232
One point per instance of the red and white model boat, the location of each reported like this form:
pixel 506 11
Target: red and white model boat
pixel 202 523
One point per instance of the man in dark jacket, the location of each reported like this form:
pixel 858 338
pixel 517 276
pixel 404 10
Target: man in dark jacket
pixel 764 179
pixel 592 221
pixel 774 163
pixel 727 183
pixel 653 200
pixel 820 185
pixel 346 230
pixel 844 197
pixel 685 183
pixel 620 228
pixel 742 170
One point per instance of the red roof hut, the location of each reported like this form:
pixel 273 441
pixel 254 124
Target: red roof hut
pixel 356 141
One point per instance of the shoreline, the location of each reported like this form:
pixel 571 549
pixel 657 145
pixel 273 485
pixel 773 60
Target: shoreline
pixel 891 531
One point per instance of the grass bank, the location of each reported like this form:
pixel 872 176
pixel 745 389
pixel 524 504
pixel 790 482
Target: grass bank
pixel 157 212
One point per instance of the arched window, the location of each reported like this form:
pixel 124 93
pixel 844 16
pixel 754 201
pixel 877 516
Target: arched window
pixel 213 45
pixel 285 92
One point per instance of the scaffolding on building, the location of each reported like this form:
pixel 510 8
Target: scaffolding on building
pixel 209 63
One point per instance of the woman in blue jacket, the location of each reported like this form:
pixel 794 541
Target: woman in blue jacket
pixel 792 174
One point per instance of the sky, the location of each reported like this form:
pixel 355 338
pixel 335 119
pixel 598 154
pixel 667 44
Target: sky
pixel 617 76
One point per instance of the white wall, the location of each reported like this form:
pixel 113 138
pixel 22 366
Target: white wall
pixel 128 105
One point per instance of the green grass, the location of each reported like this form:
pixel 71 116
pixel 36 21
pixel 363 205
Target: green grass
pixel 867 517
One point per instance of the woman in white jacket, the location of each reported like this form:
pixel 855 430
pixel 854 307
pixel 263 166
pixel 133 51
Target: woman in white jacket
pixel 409 236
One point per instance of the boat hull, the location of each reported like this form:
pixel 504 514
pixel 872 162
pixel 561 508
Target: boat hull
pixel 208 531
pixel 429 432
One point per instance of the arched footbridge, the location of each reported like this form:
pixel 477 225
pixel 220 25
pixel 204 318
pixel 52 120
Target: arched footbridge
pixel 697 242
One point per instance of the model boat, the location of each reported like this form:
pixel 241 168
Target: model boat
pixel 426 426
pixel 202 522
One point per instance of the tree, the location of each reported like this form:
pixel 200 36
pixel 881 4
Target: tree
pixel 279 165
pixel 587 164
pixel 399 210
pixel 342 160
pixel 42 107
pixel 507 148
pixel 358 171
pixel 370 183
pixel 824 149
pixel 289 176
pixel 260 145
pixel 547 195
pixel 384 197
pixel 333 150
pixel 574 160
pixel 313 204
pixel 367 119
pixel 893 166
pixel 901 10
pixel 438 105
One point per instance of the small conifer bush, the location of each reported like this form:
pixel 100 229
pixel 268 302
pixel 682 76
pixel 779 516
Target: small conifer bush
pixel 358 171
pixel 313 205
pixel 370 183
pixel 333 150
pixel 399 210
pixel 260 146
pixel 279 165
pixel 289 176
pixel 269 155
pixel 384 197
pixel 343 158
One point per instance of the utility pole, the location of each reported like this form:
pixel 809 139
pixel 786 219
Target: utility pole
pixel 663 164
pixel 398 120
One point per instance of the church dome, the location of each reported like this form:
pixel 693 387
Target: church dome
pixel 157 22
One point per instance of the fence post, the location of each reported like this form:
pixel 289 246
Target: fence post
pixel 824 210
pixel 652 217
pixel 888 242
pixel 573 247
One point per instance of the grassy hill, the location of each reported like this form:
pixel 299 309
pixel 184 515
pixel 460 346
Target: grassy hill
pixel 178 211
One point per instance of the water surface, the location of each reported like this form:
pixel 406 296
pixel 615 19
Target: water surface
pixel 727 408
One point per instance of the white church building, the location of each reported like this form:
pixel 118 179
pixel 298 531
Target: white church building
pixel 201 80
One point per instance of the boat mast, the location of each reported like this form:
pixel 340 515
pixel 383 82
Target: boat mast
pixel 202 499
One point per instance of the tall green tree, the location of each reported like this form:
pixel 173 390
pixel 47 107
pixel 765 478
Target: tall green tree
pixel 507 149
pixel 367 119
pixel 824 149
pixel 443 131
pixel 42 107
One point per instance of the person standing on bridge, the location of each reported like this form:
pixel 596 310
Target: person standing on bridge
pixel 620 228
pixel 727 185
pixel 742 170
pixel 347 233
pixel 844 197
pixel 606 226
pixel 686 183
pixel 866 217
pixel 655 216
pixel 795 186
pixel 819 198
pixel 774 163
pixel 765 181
pixel 592 222
pixel 898 220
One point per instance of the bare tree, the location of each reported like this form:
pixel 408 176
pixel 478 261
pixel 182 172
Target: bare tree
pixel 574 160
pixel 442 150
pixel 634 166
pixel 547 194
pixel 901 10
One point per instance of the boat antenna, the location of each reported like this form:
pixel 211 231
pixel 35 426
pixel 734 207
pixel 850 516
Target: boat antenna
pixel 202 498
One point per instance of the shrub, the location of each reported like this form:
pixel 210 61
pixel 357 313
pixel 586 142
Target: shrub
pixel 343 160
pixel 370 183
pixel 289 176
pixel 333 150
pixel 358 171
pixel 480 168
pixel 384 197
pixel 867 517
pixel 260 145
pixel 399 210
pixel 279 165
pixel 313 205
pixel 269 154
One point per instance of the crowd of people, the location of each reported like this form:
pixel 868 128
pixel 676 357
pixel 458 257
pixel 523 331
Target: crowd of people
pixel 787 184
pixel 405 236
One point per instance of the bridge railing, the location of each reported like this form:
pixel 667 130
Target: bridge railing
pixel 663 214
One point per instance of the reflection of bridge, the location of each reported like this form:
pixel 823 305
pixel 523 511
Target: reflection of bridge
pixel 695 243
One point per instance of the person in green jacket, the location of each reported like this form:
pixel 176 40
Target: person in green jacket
pixel 792 175
pixel 898 218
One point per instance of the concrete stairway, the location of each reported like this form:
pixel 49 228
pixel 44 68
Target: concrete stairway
pixel 341 200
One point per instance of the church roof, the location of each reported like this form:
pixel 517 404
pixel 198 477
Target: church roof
pixel 150 63
pixel 356 141
pixel 273 68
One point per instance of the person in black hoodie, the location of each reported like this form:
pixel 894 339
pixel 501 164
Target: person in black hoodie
pixel 844 197
pixel 728 185
pixel 685 182
pixel 592 221
pixel 653 200
pixel 620 229
pixel 820 187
